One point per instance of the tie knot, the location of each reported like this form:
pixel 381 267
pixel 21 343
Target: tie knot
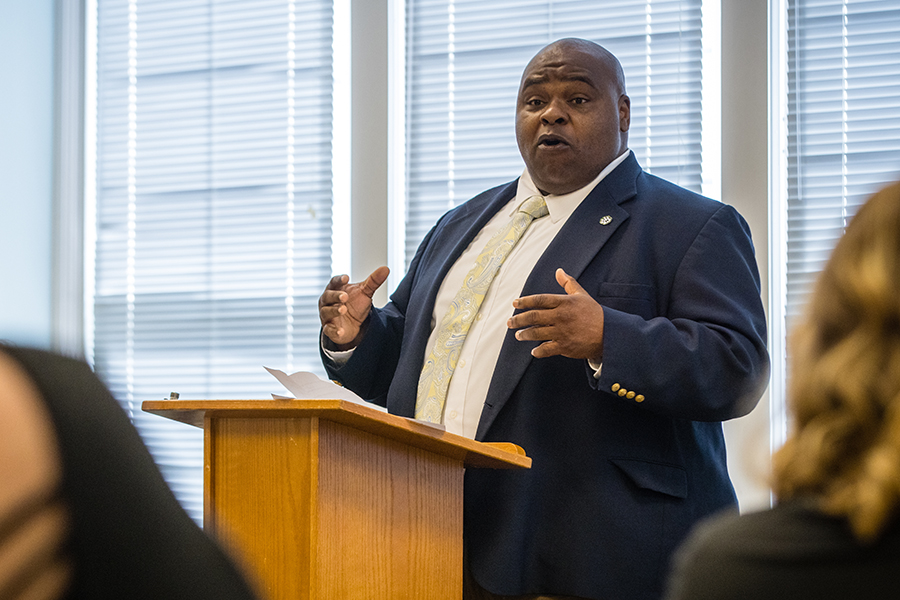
pixel 534 206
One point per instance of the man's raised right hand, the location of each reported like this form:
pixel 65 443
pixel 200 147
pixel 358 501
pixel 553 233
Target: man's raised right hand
pixel 344 307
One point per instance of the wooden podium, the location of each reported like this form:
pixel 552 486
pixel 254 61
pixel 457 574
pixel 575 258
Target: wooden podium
pixel 329 499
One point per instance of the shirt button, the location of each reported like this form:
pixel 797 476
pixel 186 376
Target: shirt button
pixel 462 364
pixel 453 414
pixel 478 317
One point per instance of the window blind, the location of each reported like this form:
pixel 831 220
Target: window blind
pixel 213 205
pixel 464 61
pixel 843 124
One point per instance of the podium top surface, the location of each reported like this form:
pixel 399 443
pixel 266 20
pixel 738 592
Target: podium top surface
pixel 358 416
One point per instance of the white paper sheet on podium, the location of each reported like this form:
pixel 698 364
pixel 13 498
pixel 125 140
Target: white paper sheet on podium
pixel 304 384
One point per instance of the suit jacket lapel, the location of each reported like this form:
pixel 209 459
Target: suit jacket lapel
pixel 462 227
pixel 453 237
pixel 574 247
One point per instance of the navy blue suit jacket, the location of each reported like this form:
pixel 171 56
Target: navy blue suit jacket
pixel 617 478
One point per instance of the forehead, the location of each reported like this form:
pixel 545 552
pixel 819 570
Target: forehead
pixel 566 66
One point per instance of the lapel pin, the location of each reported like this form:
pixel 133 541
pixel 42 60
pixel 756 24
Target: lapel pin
pixel 606 220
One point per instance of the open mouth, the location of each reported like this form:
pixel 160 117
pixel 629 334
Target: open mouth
pixel 551 141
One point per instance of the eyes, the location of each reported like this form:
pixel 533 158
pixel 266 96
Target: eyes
pixel 537 102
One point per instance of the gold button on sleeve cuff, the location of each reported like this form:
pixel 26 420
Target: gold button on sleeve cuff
pixel 639 398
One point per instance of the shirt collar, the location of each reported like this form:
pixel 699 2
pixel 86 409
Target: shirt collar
pixel 563 205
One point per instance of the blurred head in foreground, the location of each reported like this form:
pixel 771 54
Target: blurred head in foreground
pixel 844 452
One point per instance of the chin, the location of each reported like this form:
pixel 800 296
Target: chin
pixel 555 186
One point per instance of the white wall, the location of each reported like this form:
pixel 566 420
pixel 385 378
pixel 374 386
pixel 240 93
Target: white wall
pixel 745 164
pixel 26 170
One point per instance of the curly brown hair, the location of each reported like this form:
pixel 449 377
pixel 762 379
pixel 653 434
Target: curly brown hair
pixel 844 451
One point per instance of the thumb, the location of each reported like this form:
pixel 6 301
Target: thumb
pixel 568 283
pixel 375 280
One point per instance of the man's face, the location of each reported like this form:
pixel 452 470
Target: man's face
pixel 571 119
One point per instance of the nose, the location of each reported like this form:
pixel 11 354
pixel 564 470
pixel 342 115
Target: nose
pixel 554 112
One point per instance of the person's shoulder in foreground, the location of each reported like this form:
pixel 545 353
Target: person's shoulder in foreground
pixel 792 551
pixel 125 535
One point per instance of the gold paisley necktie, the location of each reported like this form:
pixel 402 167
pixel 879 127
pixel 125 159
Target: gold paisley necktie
pixel 438 368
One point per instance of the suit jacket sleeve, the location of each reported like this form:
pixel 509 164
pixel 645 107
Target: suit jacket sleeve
pixel 371 367
pixel 704 357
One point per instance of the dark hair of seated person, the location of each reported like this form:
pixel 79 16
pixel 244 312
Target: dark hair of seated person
pixel 84 511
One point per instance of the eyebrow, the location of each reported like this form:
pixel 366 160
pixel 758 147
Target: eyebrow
pixel 532 80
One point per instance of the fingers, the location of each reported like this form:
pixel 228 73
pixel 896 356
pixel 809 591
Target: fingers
pixel 549 301
pixel 344 306
pixel 535 333
pixel 550 344
pixel 334 293
pixel 337 282
pixel 334 332
pixel 331 305
pixel 547 349
pixel 531 317
pixel 331 312
pixel 537 302
pixel 569 324
pixel 332 297
pixel 339 330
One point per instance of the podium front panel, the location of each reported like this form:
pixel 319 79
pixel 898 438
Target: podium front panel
pixel 322 510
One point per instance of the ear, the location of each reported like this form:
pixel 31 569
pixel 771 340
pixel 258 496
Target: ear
pixel 624 113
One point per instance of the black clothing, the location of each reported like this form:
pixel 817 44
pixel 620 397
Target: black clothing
pixel 791 552
pixel 130 538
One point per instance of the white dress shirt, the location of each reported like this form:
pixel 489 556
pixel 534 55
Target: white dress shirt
pixel 481 349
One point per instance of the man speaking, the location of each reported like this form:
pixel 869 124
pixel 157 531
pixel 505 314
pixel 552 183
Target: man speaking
pixel 602 318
